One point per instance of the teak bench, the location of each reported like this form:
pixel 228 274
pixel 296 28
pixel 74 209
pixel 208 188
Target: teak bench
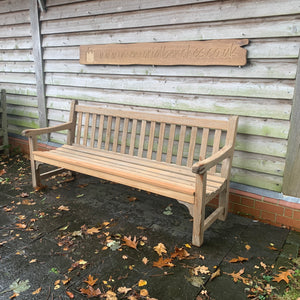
pixel 156 152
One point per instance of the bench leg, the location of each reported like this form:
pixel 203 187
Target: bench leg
pixel 199 211
pixel 223 202
pixel 35 173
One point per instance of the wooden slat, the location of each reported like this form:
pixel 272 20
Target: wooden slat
pixel 86 129
pixel 170 143
pixel 160 141
pixel 93 130
pixel 142 138
pixel 79 126
pixel 216 147
pixel 192 142
pixel 204 141
pixel 133 135
pixel 108 132
pixel 100 131
pixel 151 140
pixel 124 135
pixel 180 145
pixel 116 134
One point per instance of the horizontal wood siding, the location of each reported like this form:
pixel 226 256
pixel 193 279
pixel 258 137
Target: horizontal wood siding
pixel 17 65
pixel 261 92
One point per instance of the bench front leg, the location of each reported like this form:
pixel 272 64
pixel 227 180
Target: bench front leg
pixel 199 210
pixel 35 172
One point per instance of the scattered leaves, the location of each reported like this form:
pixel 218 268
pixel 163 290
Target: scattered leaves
pixel 90 280
pixel 237 276
pixel 92 230
pixel 200 269
pixel 91 292
pixel 180 253
pixel 37 291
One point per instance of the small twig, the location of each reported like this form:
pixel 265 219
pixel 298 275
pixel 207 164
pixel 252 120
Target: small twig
pixel 49 293
pixel 164 274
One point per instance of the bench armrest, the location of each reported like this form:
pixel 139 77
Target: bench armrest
pixel 39 131
pixel 204 165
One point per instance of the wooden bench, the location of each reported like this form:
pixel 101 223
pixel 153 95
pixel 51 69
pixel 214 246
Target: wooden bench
pixel 156 152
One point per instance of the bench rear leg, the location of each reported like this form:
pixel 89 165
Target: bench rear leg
pixel 223 202
pixel 199 211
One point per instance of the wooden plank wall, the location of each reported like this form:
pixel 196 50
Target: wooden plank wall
pixel 260 93
pixel 17 66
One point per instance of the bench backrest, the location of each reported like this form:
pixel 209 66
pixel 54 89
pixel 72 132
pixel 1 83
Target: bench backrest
pixel 171 138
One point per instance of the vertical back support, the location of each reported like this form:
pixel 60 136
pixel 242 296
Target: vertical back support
pixel 3 128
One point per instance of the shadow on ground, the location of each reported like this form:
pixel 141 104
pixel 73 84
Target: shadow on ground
pixel 52 240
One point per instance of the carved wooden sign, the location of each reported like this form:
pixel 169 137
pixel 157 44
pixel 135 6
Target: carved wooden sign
pixel 199 53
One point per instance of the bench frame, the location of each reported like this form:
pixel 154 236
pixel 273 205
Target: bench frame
pixel 201 181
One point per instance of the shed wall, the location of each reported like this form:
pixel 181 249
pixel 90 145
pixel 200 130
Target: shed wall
pixel 261 92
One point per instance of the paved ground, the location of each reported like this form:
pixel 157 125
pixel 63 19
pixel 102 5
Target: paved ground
pixel 54 244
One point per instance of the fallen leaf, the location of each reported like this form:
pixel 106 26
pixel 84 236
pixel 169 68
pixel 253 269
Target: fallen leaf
pixel 24 195
pixel 82 262
pixel 145 260
pixel 33 261
pixel 63 208
pixel 37 291
pixel 124 290
pixel 40 188
pixel 2 172
pixel 132 199
pixel 71 295
pixel 125 257
pixel 90 280
pixel 14 295
pixel 130 243
pixel 239 259
pixel 82 185
pixel 144 293
pixel 90 292
pixel 21 225
pixel 283 275
pixel 263 265
pixel 180 253
pixel 92 230
pixel 272 248
pixel 160 249
pixel 142 282
pixel 188 246
pixel 217 273
pixel 248 247
pixel 237 276
pixel 110 295
pixel 163 263
pixel 200 269
pixel 66 281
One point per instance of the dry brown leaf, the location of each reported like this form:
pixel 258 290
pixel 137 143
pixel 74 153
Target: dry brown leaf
pixel 239 259
pixel 160 249
pixel 132 199
pixel 90 292
pixel 124 290
pixel 64 208
pixel 283 275
pixel 92 230
pixel 145 260
pixel 142 282
pixel 37 291
pixel 110 295
pixel 237 276
pixel 2 172
pixel 71 295
pixel 217 273
pixel 21 225
pixel 163 263
pixel 201 269
pixel 66 281
pixel 144 293
pixel 248 247
pixel 90 280
pixel 130 243
pixel 180 253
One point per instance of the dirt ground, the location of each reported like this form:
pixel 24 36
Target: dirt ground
pixel 81 237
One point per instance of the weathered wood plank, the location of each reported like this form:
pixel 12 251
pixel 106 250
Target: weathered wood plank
pixel 89 8
pixel 14 18
pixel 16 43
pixel 223 87
pixel 20 30
pixel 264 108
pixel 13 5
pixel 17 67
pixel 26 78
pixel 19 89
pixel 16 55
pixel 256 68
pixel 16 110
pixel 198 13
pixel 21 100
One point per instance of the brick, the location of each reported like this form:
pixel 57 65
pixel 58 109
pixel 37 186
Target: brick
pixel 269 207
pixel 234 198
pixel 246 211
pixel 270 200
pixel 247 194
pixel 289 204
pixel 295 224
pixel 247 201
pixel 297 214
pixel 268 216
pixel 288 212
